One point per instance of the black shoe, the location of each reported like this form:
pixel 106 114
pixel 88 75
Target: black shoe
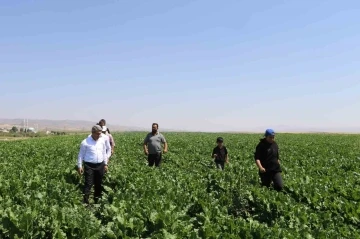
pixel 97 199
pixel 86 200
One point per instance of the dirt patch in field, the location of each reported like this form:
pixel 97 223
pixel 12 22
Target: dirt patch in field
pixel 12 138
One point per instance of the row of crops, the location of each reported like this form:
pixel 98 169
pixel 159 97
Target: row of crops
pixel 40 191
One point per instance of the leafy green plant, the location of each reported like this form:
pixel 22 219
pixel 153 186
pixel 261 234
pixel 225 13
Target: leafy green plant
pixel 40 191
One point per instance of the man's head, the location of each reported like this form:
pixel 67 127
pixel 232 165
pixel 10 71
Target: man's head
pixel 154 128
pixel 96 132
pixel 269 135
pixel 102 122
pixel 104 129
pixel 220 141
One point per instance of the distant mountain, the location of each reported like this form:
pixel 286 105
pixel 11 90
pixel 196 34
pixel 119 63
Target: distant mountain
pixel 63 125
pixel 295 129
pixel 83 125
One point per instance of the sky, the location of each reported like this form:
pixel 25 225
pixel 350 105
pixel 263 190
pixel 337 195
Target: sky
pixel 200 65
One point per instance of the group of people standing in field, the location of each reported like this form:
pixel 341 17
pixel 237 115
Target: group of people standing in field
pixel 97 149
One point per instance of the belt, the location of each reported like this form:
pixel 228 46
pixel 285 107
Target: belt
pixel 94 164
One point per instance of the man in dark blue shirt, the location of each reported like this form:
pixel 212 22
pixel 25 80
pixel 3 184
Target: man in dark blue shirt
pixel 267 160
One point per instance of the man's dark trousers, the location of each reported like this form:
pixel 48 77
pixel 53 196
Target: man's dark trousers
pixel 220 165
pixel 94 174
pixel 275 177
pixel 154 159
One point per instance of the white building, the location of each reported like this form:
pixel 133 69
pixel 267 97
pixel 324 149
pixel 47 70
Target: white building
pixel 31 130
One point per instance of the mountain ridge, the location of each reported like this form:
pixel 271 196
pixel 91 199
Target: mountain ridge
pixel 85 125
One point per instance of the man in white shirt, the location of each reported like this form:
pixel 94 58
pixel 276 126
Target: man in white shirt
pixel 106 139
pixel 95 157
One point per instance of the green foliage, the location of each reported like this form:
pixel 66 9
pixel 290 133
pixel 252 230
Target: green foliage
pixel 40 191
pixel 14 129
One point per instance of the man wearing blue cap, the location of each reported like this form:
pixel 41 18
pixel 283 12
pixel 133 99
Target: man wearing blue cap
pixel 267 160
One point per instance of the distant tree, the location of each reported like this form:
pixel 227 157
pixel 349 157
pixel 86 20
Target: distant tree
pixel 14 129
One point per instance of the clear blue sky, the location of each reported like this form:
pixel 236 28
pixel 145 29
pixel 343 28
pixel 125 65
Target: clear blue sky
pixel 195 65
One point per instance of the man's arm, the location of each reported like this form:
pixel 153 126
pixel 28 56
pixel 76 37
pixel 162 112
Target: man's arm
pixel 146 140
pixel 165 147
pixel 145 147
pixel 213 155
pixel 226 155
pixel 257 158
pixel 108 149
pixel 81 157
pixel 112 143
pixel 258 163
pixel 165 144
pixel 105 153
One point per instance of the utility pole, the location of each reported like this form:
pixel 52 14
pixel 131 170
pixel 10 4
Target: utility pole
pixel 24 128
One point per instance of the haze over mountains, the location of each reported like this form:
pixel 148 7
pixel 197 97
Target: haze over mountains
pixel 83 125
pixel 62 125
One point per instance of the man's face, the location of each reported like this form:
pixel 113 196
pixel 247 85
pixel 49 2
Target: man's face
pixel 220 144
pixel 270 138
pixel 154 128
pixel 96 135
pixel 102 123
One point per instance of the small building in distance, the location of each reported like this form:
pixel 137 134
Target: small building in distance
pixel 28 130
pixel 32 130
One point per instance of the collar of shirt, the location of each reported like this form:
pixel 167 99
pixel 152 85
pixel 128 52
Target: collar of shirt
pixel 101 135
pixel 90 136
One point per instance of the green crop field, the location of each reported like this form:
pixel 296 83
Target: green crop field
pixel 40 194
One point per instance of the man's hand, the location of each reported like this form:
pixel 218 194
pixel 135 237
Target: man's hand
pixel 80 170
pixel 146 152
pixel 262 170
pixel 165 151
pixel 106 168
pixel 214 155
pixel 278 161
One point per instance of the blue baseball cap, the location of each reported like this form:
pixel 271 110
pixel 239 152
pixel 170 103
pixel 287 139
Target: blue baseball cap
pixel 269 132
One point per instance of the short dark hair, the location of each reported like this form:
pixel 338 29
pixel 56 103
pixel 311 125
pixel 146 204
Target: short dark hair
pixel 96 128
pixel 157 125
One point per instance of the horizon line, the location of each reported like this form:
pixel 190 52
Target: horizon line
pixel 303 129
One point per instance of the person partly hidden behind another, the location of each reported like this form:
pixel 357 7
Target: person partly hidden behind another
pixel 267 160
pixel 220 154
